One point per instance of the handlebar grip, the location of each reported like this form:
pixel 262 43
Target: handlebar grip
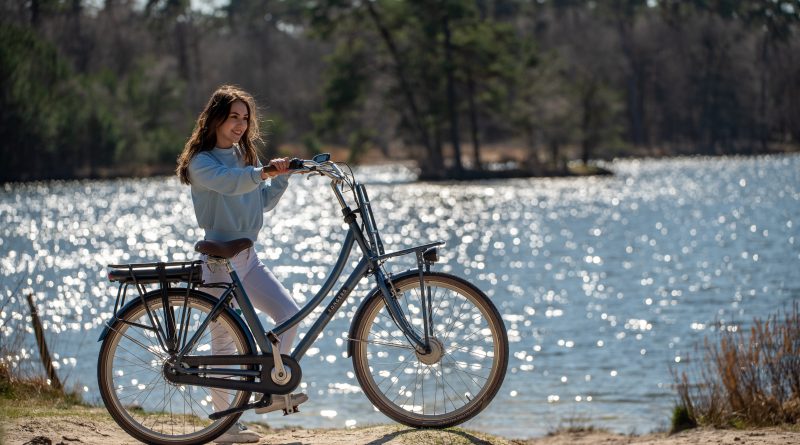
pixel 294 164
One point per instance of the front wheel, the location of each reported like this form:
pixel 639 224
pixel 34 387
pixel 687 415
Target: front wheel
pixel 461 374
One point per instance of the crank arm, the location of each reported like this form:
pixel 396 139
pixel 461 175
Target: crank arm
pixel 261 403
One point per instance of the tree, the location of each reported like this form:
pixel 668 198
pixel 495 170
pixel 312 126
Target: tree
pixel 432 55
pixel 46 127
pixel 490 55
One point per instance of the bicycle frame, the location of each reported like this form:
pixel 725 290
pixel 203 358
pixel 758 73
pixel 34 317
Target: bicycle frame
pixel 369 264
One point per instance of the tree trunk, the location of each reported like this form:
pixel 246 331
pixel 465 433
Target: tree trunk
pixel 416 117
pixel 763 119
pixel 452 99
pixel 435 167
pixel 635 102
pixel 587 141
pixel 182 45
pixel 555 149
pixel 36 11
pixel 473 120
pixel 81 46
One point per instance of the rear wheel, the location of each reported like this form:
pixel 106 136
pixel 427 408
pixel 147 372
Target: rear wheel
pixel 130 371
pixel 461 374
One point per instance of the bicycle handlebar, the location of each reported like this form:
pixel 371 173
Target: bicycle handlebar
pixel 325 168
pixel 294 164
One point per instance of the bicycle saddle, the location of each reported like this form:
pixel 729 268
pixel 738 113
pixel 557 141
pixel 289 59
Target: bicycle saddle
pixel 223 249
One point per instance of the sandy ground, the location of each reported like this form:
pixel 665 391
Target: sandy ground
pixel 700 436
pixel 95 427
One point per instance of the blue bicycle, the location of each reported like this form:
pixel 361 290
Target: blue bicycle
pixel 429 349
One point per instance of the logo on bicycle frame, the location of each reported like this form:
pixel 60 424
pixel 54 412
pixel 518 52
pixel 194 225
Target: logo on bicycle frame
pixel 340 297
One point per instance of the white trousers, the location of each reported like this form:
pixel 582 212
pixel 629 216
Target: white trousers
pixel 266 294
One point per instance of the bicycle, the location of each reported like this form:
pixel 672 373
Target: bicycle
pixel 416 333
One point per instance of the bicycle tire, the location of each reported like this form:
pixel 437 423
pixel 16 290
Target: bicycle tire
pixel 132 354
pixel 377 337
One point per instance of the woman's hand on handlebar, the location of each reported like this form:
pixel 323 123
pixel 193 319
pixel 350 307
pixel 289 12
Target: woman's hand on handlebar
pixel 277 166
pixel 283 166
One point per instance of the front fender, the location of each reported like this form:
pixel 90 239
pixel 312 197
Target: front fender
pixel 375 293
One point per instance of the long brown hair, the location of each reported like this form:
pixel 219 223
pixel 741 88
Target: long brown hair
pixel 204 136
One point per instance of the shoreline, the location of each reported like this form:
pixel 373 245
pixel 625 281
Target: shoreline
pixel 374 159
pixel 93 425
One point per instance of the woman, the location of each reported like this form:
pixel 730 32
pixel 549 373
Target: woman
pixel 230 195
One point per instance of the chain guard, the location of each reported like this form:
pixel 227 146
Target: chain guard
pixel 195 370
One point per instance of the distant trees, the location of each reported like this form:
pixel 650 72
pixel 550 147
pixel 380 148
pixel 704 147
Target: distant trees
pixel 58 123
pixel 112 88
pixel 98 89
pixel 45 125
pixel 576 79
pixel 443 67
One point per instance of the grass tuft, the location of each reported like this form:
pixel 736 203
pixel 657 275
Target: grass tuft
pixel 33 389
pixel 747 378
pixel 681 420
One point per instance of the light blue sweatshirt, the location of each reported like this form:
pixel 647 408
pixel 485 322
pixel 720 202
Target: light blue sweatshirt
pixel 229 197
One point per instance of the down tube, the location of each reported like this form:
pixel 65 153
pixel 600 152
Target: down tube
pixel 323 292
pixel 352 281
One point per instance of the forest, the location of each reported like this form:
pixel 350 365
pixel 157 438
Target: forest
pixel 102 88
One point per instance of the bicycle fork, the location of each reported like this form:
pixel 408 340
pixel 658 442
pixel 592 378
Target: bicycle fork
pixel 421 345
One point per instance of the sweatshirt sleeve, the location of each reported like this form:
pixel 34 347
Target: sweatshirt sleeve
pixel 209 173
pixel 271 193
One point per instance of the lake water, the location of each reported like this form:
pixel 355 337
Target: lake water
pixel 605 284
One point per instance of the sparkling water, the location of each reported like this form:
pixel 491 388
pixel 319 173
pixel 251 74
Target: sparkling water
pixel 605 284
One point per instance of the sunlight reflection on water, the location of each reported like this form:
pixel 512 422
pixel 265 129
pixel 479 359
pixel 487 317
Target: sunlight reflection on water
pixel 603 283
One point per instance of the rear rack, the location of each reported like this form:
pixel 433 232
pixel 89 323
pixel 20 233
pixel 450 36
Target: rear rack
pixel 149 273
pixel 164 274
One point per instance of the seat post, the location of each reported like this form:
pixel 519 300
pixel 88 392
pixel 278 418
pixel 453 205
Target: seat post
pixel 216 260
pixel 228 265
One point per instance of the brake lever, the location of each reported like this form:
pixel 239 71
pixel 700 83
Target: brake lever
pixel 312 171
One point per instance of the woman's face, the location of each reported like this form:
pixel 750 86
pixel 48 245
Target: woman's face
pixel 232 129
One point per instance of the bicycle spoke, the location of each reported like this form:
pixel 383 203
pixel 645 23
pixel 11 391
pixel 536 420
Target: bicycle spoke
pixel 458 373
pixel 454 390
pixel 143 365
pixel 460 370
pixel 390 374
pixel 470 336
pixel 143 346
pixel 403 392
pixel 468 351
pixel 456 317
pixel 472 318
pixel 381 343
